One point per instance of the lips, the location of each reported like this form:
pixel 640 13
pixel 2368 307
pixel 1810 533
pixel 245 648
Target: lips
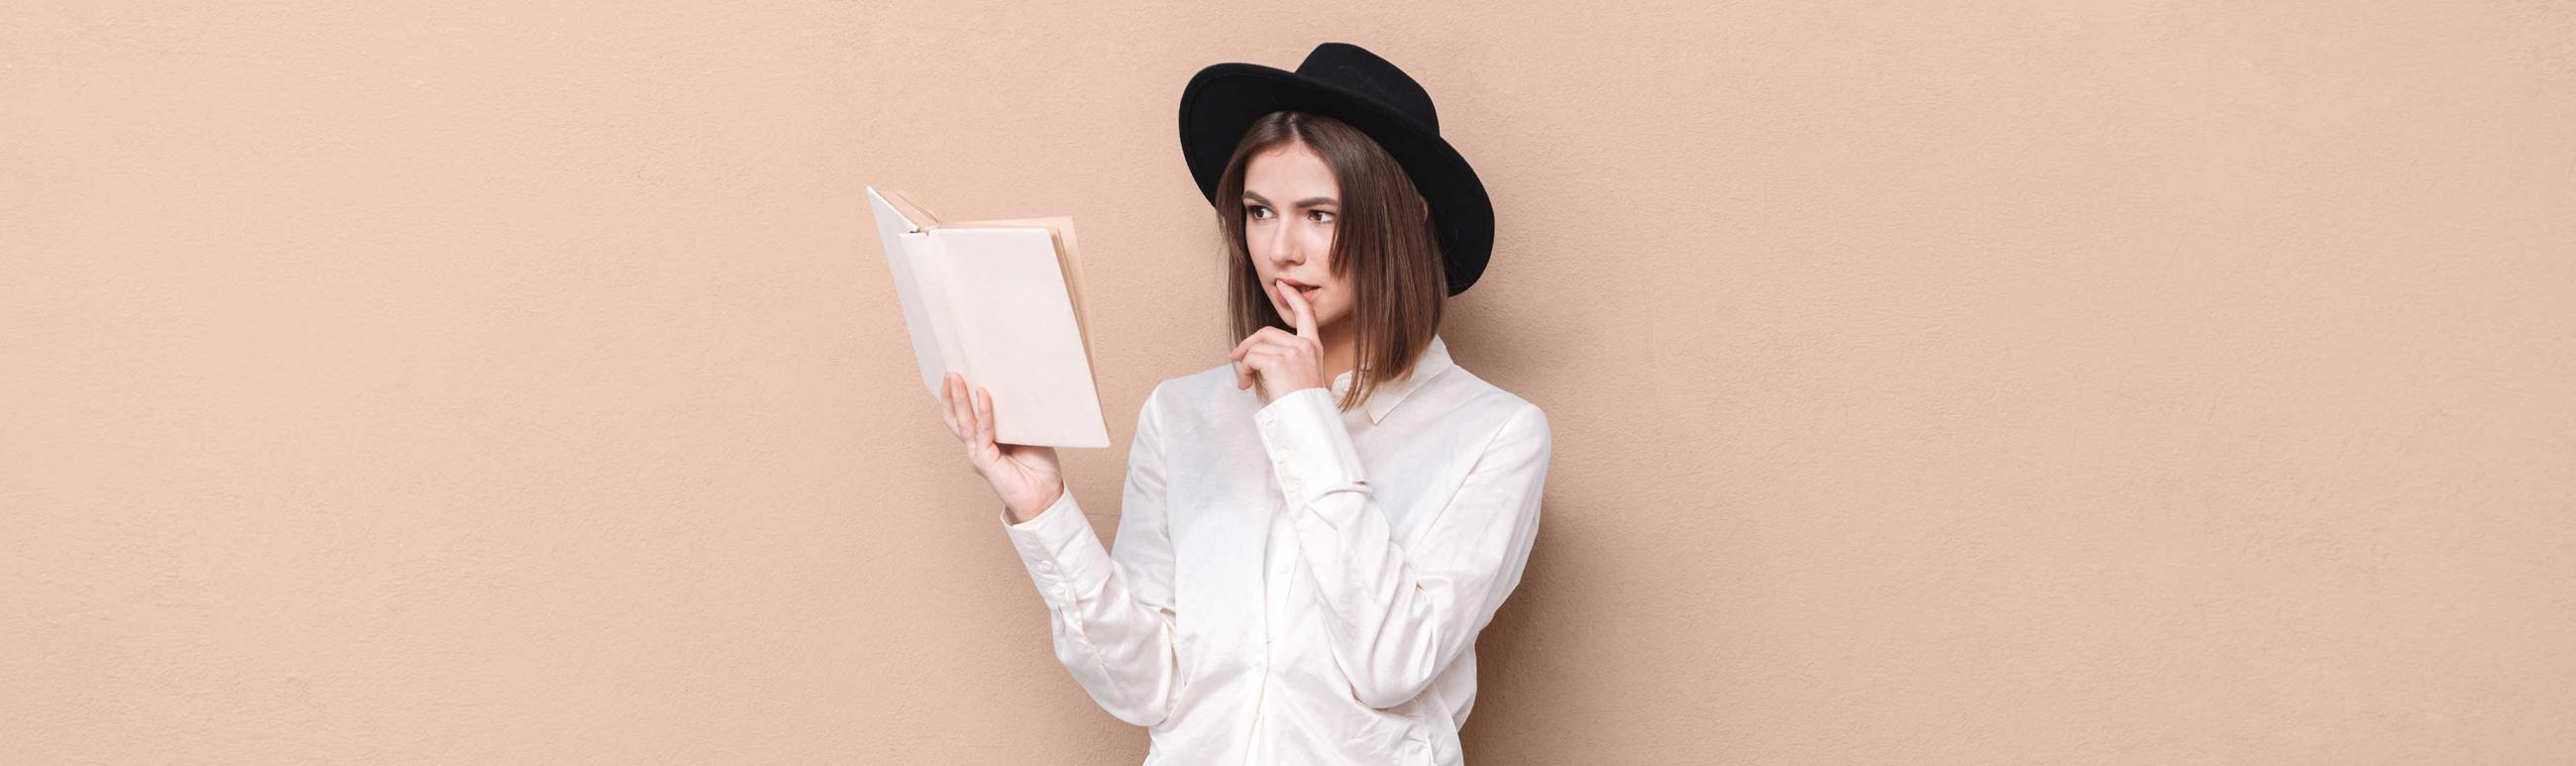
pixel 1302 288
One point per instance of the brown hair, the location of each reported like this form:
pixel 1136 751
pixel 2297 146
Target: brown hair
pixel 1383 245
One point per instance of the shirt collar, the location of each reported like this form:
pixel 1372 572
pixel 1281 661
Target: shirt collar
pixel 1434 360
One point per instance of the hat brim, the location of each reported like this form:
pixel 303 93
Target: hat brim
pixel 1223 100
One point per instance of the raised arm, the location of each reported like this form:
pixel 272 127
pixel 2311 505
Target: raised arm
pixel 1399 615
pixel 1111 612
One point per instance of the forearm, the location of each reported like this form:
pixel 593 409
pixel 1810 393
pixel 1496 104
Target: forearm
pixel 1120 649
pixel 1399 615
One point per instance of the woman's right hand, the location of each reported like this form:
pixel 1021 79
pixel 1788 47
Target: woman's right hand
pixel 1027 478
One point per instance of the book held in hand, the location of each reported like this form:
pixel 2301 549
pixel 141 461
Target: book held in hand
pixel 999 302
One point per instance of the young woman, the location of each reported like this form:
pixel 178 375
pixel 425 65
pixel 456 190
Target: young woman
pixel 1316 530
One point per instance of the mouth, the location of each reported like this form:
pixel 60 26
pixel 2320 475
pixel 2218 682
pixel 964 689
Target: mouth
pixel 1302 288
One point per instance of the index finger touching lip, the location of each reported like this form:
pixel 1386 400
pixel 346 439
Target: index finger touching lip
pixel 1305 315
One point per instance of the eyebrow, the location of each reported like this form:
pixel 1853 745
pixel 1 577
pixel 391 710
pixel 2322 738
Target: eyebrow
pixel 1307 202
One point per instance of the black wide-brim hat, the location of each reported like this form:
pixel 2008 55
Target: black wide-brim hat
pixel 1347 83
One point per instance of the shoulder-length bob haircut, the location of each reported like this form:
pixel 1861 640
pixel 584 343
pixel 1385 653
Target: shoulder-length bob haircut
pixel 1384 247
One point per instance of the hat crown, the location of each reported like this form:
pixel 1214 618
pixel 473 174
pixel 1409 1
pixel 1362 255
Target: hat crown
pixel 1356 69
pixel 1347 83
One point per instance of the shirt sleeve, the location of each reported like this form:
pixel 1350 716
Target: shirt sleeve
pixel 1398 616
pixel 1111 613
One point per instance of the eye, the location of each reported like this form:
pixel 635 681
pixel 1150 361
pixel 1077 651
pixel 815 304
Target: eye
pixel 1255 209
pixel 1327 216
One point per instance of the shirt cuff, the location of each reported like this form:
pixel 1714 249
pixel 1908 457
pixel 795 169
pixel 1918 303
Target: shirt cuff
pixel 1064 557
pixel 1309 446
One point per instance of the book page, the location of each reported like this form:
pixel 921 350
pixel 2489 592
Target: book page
pixel 1023 343
pixel 1068 258
pixel 926 316
pixel 903 204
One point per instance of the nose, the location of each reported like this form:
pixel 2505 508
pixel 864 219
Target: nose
pixel 1283 248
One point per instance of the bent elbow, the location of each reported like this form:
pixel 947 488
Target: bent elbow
pixel 1140 699
pixel 1143 713
pixel 1389 690
pixel 1395 671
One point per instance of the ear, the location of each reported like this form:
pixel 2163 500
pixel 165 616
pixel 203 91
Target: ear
pixel 1426 205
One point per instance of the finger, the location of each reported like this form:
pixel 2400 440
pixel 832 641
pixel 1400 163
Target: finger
pixel 1261 336
pixel 1247 372
pixel 966 422
pixel 1250 350
pixel 984 416
pixel 1262 359
pixel 1304 315
pixel 953 395
pixel 1272 334
pixel 947 409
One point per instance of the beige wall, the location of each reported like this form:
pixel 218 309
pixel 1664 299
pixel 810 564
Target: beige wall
pixel 1936 383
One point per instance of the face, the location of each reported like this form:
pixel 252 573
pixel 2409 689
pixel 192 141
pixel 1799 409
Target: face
pixel 1290 207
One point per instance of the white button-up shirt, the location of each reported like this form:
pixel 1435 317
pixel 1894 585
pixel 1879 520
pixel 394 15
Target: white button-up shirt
pixel 1294 584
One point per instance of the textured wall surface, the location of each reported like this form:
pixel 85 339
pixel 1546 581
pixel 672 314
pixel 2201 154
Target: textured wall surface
pixel 1986 382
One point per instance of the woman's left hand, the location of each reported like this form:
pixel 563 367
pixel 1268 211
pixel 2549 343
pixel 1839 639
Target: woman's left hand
pixel 1285 363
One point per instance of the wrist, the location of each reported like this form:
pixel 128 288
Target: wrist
pixel 1021 516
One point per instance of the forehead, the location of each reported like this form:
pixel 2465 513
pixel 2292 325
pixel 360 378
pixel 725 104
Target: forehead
pixel 1289 172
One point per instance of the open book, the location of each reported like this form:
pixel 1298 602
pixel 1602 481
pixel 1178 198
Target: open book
pixel 999 302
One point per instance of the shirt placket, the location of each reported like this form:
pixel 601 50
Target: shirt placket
pixel 1279 563
pixel 1280 558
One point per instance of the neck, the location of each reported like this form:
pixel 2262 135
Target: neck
pixel 1340 353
